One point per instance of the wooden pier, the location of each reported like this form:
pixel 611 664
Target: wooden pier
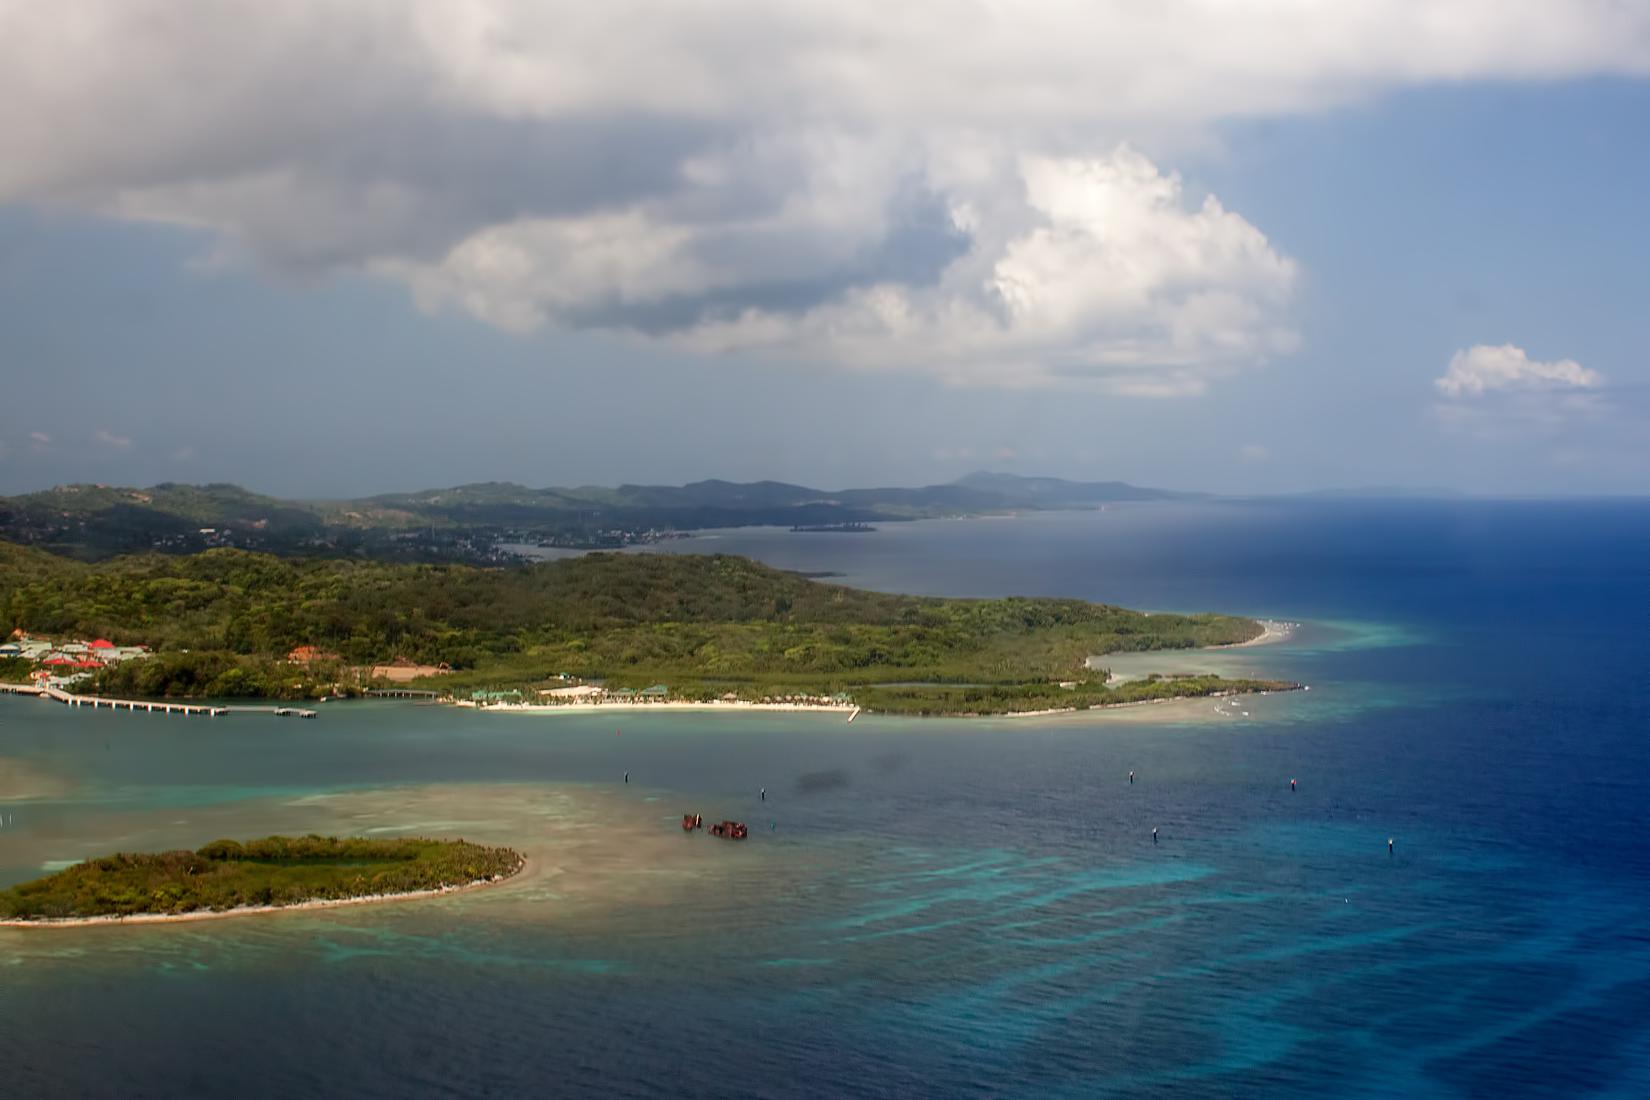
pixel 148 706
pixel 95 701
pixel 400 693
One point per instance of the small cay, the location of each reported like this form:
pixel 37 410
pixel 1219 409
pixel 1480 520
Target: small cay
pixel 275 872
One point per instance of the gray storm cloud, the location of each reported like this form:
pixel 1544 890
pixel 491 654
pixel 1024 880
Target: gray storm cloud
pixel 947 188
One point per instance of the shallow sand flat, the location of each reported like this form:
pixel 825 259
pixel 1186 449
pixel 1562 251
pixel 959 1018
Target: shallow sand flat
pixel 589 849
pixel 20 780
pixel 1201 709
pixel 1238 660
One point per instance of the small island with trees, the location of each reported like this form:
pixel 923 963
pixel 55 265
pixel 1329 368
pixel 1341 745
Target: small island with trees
pixel 276 872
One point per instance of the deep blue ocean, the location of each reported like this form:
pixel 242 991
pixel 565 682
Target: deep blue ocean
pixel 939 907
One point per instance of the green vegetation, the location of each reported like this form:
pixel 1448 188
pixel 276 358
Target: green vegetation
pixel 222 621
pixel 936 699
pixel 276 870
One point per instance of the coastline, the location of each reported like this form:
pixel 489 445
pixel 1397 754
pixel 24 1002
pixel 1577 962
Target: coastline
pixel 854 711
pixel 250 910
pixel 1272 632
pixel 1103 708
pixel 848 709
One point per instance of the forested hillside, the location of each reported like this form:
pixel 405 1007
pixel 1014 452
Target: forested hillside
pixel 221 620
pixel 467 522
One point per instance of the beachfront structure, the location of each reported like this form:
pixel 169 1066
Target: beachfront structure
pixel 582 691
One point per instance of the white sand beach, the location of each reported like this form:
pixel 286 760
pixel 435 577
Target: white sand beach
pixel 1273 630
pixel 674 705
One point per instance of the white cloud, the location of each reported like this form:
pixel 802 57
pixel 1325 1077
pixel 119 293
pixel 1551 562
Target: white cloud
pixel 1254 452
pixel 935 187
pixel 1484 368
pixel 1096 269
pixel 1499 392
pixel 40 439
pixel 110 439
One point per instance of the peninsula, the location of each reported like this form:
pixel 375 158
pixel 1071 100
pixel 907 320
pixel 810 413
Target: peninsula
pixel 276 872
pixel 644 627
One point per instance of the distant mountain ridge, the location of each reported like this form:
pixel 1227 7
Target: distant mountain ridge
pixel 463 521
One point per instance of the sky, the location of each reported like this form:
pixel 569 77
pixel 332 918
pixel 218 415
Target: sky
pixel 328 248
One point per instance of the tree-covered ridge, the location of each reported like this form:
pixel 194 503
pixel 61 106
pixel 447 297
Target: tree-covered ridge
pixel 221 622
pixel 276 871
pixel 465 522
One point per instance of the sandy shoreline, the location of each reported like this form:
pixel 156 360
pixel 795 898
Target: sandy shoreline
pixel 249 910
pixel 1272 630
pixel 847 709
pixel 1101 708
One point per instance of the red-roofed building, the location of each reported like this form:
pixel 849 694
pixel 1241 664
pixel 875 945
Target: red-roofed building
pixel 58 660
pixel 102 643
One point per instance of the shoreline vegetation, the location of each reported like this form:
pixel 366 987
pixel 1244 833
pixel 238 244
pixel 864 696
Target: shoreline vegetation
pixel 648 629
pixel 274 874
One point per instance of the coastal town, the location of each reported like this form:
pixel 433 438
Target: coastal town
pixel 60 664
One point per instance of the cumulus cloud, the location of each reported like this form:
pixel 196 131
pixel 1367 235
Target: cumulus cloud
pixel 1100 269
pixel 109 439
pixel 40 439
pixel 1483 369
pixel 940 187
pixel 1499 392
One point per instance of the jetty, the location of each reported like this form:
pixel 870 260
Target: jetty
pixel 400 693
pixel 149 706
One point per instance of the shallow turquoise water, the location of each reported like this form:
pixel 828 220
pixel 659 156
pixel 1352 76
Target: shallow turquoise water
pixel 932 907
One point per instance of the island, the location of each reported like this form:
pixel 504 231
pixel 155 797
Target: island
pixel 636 628
pixel 276 872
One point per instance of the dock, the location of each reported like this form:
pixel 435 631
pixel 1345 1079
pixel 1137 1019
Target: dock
pixel 279 712
pixel 148 706
pixel 400 693
pixel 95 701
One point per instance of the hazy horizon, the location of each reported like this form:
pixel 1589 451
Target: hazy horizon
pixel 1431 492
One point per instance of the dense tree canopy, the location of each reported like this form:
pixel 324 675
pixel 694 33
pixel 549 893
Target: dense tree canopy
pixel 275 870
pixel 221 621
